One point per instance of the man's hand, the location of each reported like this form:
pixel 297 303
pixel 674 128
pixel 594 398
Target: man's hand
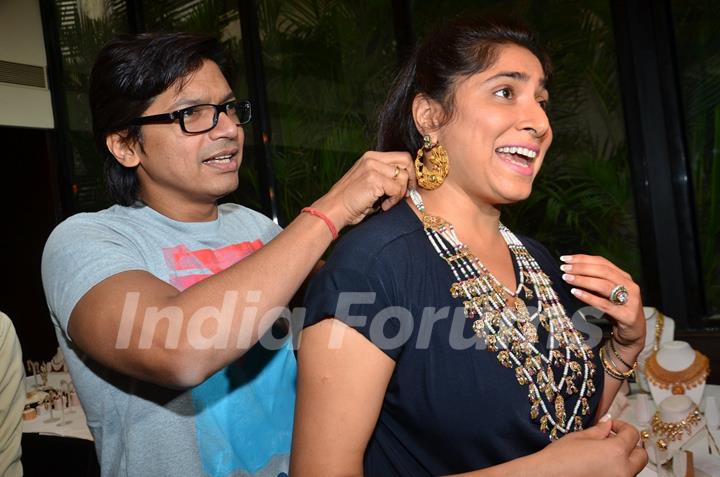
pixel 384 176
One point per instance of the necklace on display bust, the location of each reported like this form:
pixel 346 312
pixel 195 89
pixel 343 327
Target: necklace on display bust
pixel 674 431
pixel 678 381
pixel 659 325
pixel 503 320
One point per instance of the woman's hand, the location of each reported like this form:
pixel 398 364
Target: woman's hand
pixel 609 448
pixel 594 279
pixel 376 176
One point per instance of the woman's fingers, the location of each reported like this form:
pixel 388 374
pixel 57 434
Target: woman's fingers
pixel 600 280
pixel 599 276
pixel 626 432
pixel 593 260
pixel 599 286
pixel 602 304
pixel 625 313
pixel 594 280
pixel 629 436
pixel 638 459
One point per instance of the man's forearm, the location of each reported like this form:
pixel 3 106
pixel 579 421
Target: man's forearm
pixel 265 281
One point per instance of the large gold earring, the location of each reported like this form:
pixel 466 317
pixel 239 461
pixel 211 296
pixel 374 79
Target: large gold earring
pixel 433 175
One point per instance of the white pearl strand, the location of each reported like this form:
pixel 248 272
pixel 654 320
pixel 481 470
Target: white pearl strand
pixel 470 270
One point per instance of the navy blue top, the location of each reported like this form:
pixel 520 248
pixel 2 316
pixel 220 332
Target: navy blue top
pixel 450 406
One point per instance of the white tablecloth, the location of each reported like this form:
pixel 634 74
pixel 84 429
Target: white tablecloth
pixel 70 424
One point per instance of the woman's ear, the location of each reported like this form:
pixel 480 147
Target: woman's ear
pixel 427 114
pixel 124 151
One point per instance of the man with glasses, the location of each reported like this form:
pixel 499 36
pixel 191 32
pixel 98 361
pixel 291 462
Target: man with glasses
pixel 160 300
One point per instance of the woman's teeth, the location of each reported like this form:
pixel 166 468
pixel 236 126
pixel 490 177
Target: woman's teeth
pixel 523 151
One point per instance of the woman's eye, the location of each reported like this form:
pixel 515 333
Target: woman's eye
pixel 543 104
pixel 504 93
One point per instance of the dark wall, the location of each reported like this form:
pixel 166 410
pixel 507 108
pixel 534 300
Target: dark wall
pixel 707 343
pixel 28 215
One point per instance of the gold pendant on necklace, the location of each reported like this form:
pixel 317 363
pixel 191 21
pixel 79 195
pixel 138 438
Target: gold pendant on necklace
pixel 521 309
pixel 529 331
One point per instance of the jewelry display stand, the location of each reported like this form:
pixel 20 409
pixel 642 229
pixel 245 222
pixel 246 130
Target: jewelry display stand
pixel 659 329
pixel 677 369
pixel 674 425
pixel 682 465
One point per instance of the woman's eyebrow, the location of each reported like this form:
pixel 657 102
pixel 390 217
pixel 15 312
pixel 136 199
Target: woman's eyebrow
pixel 515 75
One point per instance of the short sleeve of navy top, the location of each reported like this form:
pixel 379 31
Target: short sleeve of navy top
pixel 447 409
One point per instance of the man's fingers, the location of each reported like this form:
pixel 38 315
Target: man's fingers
pixel 393 191
pixel 377 179
pixel 402 160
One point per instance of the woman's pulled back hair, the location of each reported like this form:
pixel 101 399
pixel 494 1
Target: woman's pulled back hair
pixel 129 73
pixel 460 48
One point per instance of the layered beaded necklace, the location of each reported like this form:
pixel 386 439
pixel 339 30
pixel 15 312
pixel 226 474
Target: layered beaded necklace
pixel 503 320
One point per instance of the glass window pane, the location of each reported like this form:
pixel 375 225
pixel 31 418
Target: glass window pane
pixel 83 28
pixel 698 49
pixel 328 65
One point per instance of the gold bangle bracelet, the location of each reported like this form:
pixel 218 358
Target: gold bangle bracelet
pixel 608 367
pixel 617 355
pixel 611 369
pixel 626 374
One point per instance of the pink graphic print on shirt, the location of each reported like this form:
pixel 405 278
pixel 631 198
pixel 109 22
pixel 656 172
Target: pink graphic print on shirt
pixel 189 267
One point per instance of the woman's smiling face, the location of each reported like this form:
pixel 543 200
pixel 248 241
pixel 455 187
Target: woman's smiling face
pixel 499 131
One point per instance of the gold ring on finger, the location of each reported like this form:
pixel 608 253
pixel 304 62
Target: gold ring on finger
pixel 397 171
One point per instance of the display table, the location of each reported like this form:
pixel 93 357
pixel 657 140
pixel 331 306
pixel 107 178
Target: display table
pixel 705 464
pixel 66 420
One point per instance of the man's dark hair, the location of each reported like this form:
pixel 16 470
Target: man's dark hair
pixel 459 49
pixel 128 74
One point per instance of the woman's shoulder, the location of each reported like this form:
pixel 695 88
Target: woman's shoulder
pixel 391 232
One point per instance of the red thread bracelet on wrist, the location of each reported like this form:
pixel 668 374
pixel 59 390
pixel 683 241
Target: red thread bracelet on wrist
pixel 320 215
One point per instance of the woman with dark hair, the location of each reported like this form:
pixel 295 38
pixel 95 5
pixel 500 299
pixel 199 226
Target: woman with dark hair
pixel 459 349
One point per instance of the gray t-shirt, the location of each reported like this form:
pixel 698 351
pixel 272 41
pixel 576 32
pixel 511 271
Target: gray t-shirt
pixel 239 421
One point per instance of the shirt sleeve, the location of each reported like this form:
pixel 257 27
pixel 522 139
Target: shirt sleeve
pixel 12 399
pixel 364 298
pixel 80 253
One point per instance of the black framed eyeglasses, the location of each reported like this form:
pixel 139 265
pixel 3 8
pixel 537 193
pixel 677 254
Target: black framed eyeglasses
pixel 201 117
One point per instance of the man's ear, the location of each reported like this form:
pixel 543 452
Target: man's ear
pixel 427 114
pixel 124 151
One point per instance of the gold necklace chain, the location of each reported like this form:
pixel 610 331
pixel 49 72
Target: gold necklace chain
pixel 659 325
